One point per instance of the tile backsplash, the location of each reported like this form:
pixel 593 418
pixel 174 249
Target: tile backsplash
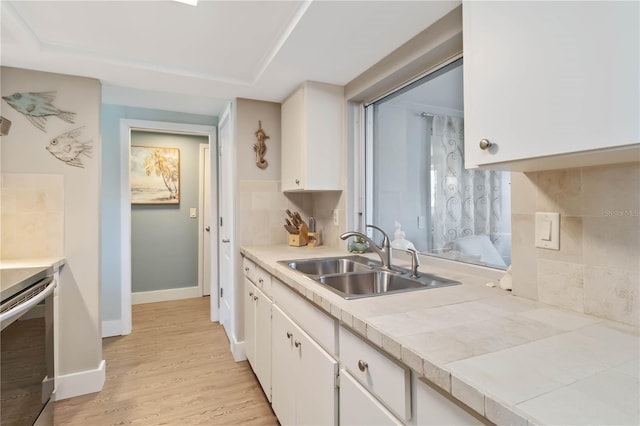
pixel 597 269
pixel 261 212
pixel 32 216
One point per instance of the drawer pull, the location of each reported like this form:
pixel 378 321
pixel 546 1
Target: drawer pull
pixel 246 269
pixel 289 335
pixel 362 366
pixel 255 297
pixel 260 280
pixel 298 344
pixel 250 294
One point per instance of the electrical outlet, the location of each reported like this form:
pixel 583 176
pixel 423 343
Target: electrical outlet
pixel 336 220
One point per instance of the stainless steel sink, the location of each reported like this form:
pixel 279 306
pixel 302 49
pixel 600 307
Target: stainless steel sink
pixel 330 265
pixel 354 277
pixel 375 283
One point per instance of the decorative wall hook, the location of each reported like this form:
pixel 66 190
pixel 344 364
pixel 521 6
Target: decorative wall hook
pixel 260 147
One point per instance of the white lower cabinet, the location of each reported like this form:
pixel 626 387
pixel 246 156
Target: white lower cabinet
pixel 304 388
pixel 386 379
pixel 292 347
pixel 257 332
pixel 359 407
pixel 431 407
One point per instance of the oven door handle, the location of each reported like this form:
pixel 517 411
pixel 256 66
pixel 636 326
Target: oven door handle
pixel 18 310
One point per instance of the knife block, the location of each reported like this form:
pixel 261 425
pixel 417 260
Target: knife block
pixel 300 239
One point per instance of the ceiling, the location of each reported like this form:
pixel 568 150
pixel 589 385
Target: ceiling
pixel 173 56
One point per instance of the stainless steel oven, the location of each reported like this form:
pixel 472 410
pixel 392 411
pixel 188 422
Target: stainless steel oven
pixel 27 379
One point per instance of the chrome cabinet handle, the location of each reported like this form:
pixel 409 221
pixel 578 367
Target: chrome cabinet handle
pixel 362 365
pixel 297 343
pixel 485 144
pixel 255 297
pixel 226 240
pixel 289 335
pixel 260 280
pixel 297 181
pixel 246 269
pixel 250 294
pixel 208 228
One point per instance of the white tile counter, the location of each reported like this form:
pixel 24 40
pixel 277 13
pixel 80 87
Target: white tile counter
pixel 512 360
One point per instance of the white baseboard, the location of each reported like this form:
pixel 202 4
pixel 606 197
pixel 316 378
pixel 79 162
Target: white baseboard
pixel 164 295
pixel 237 350
pixel 111 328
pixel 81 383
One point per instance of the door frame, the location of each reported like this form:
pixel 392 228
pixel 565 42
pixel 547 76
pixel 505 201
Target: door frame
pixel 201 219
pixel 126 126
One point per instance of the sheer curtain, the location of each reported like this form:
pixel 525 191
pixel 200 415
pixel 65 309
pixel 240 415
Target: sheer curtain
pixel 465 202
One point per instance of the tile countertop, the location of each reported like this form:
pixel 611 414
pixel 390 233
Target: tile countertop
pixel 513 360
pixel 54 262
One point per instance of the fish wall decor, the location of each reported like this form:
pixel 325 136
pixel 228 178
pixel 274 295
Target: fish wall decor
pixel 67 147
pixel 36 107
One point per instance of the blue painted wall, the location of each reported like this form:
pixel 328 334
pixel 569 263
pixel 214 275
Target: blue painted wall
pixel 110 192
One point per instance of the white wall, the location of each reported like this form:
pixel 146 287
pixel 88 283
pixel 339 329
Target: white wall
pixel 23 151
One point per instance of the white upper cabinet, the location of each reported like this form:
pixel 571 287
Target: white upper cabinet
pixel 551 78
pixel 312 132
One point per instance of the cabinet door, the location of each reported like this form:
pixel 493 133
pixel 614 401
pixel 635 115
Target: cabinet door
pixel 312 123
pixel 323 148
pixel 284 368
pixel 263 341
pixel 359 407
pixel 249 321
pixel 317 395
pixel 433 408
pixel 293 140
pixel 549 78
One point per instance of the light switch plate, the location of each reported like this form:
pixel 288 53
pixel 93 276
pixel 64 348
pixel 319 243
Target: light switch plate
pixel 192 212
pixel 547 232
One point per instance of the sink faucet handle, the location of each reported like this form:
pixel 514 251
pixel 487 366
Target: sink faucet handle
pixel 385 239
pixel 415 262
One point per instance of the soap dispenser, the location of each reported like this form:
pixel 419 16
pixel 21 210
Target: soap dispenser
pixel 399 242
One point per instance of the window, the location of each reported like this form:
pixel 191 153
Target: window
pixel 415 176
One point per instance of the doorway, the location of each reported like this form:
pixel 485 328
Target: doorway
pixel 126 129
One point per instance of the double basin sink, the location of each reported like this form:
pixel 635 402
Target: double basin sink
pixel 354 277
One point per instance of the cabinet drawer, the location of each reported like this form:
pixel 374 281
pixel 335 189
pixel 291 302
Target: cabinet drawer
pixel 382 376
pixel 359 407
pixel 320 326
pixel 263 280
pixel 249 269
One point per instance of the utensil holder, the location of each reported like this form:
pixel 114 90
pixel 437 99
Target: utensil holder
pixel 300 239
pixel 314 239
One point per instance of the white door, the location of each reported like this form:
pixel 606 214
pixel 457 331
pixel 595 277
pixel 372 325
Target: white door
pixel 225 223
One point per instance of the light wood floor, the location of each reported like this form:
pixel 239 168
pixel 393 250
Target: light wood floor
pixel 175 368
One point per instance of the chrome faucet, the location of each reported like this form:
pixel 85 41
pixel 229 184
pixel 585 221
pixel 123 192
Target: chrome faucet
pixel 384 251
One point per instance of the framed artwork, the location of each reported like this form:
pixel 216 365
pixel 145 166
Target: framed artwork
pixel 155 175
